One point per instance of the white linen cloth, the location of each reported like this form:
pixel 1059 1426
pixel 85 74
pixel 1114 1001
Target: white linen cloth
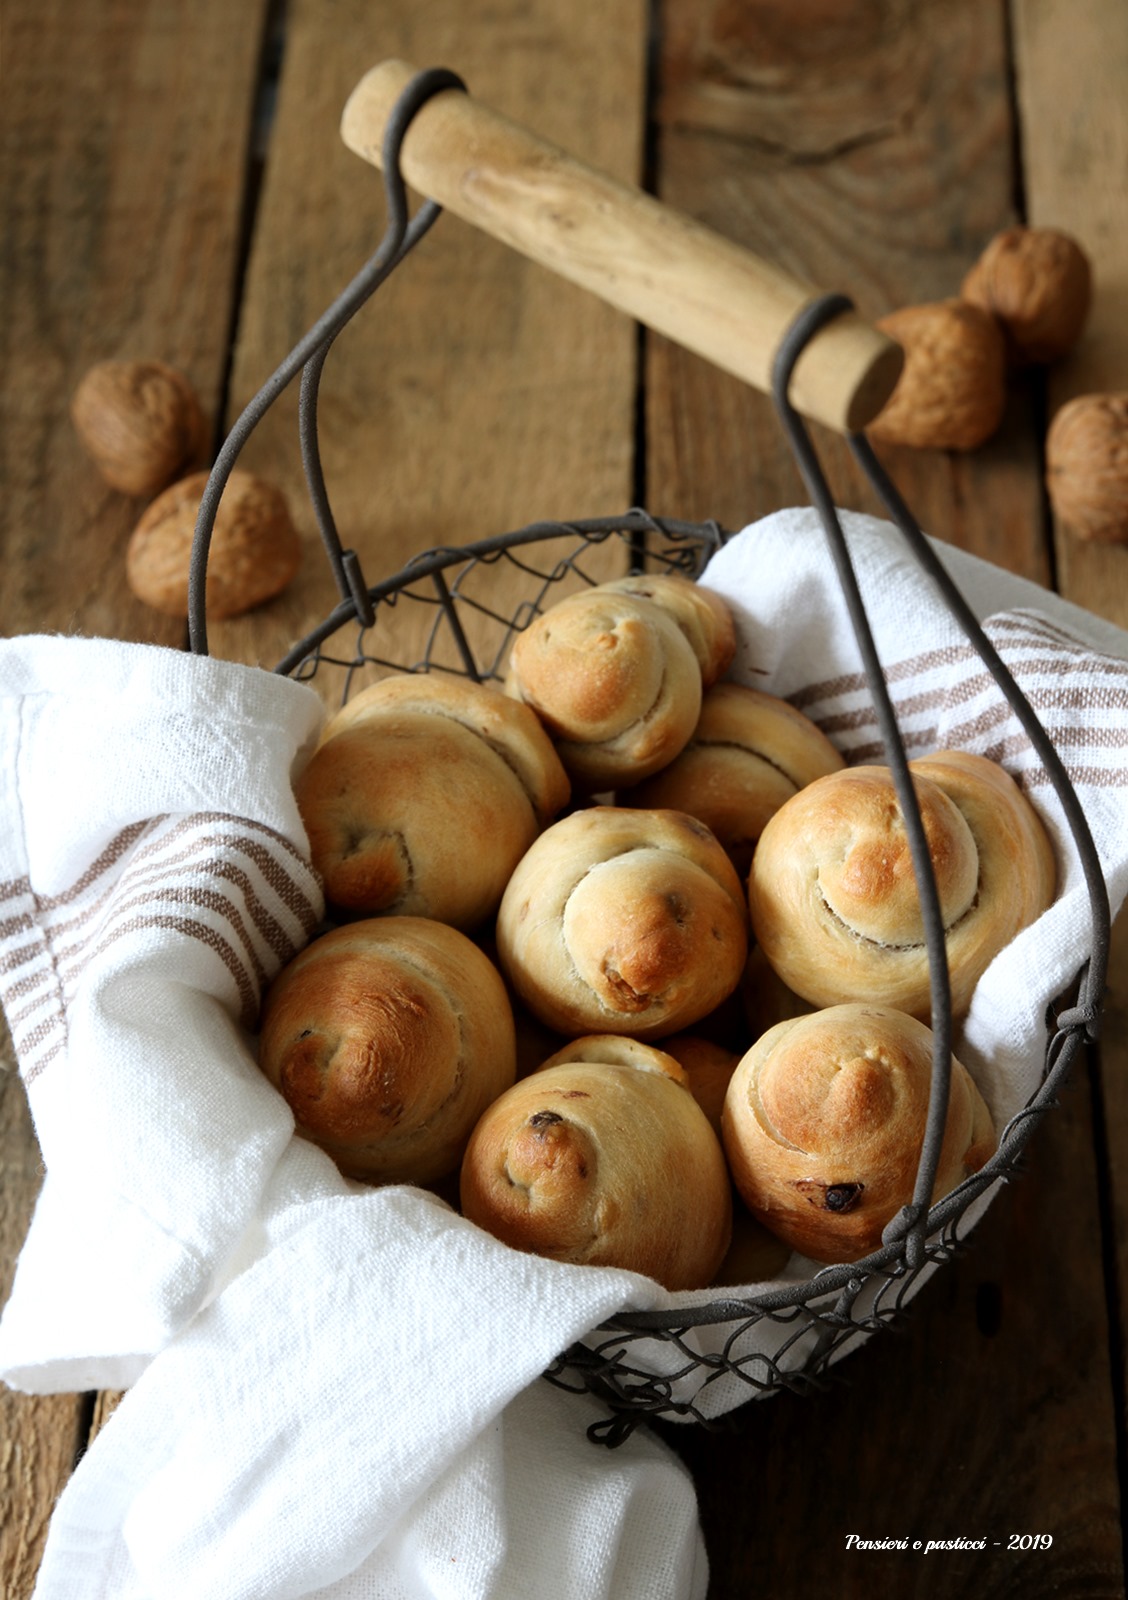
pixel 333 1387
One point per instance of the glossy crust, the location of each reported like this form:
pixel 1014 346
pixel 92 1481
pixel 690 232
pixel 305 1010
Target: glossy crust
pixel 823 1123
pixel 833 897
pixel 749 753
pixel 602 1165
pixel 623 921
pixel 388 1038
pixel 614 680
pixel 423 795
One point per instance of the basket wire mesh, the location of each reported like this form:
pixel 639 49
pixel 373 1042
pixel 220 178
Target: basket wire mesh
pixel 813 1323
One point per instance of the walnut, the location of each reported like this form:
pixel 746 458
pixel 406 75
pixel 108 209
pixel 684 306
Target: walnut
pixel 1087 466
pixel 1038 284
pixel 139 422
pixel 952 392
pixel 255 548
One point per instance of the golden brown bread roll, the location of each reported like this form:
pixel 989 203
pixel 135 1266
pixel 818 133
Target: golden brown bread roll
pixel 614 680
pixel 388 1038
pixel 618 1050
pixel 701 615
pixel 833 897
pixel 823 1123
pixel 423 795
pixel 749 753
pixel 623 921
pixel 602 1164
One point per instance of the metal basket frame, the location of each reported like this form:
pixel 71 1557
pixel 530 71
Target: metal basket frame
pixel 818 1318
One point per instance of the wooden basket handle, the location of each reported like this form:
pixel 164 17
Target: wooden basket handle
pixel 673 274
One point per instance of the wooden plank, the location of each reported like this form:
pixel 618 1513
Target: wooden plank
pixel 454 406
pixel 870 155
pixel 872 152
pixel 1072 64
pixel 125 135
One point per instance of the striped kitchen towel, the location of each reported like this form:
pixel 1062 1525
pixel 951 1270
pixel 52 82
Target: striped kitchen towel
pixel 153 878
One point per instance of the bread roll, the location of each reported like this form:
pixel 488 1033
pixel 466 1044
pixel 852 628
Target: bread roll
pixel 602 1165
pixel 423 795
pixel 388 1038
pixel 623 921
pixel 833 897
pixel 749 753
pixel 701 615
pixel 617 1050
pixel 823 1123
pixel 614 680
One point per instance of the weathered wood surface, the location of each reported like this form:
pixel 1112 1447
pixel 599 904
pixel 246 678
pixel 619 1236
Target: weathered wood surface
pixel 126 136
pixel 1072 64
pixel 476 392
pixel 869 151
pixel 872 148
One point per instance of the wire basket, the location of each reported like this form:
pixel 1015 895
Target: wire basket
pixel 661 1363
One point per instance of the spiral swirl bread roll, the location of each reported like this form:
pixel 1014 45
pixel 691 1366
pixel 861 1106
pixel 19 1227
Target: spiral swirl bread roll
pixel 603 1164
pixel 388 1038
pixel 701 615
pixel 615 679
pixel 749 753
pixel 623 921
pixel 833 897
pixel 423 795
pixel 823 1123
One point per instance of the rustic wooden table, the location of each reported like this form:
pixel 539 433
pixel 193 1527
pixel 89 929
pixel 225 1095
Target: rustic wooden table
pixel 174 186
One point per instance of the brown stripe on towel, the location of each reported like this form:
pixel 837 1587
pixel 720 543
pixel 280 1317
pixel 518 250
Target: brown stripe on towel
pixel 110 856
pixel 199 931
pixel 34 1068
pixel 855 682
pixel 41 1031
pixel 202 900
pixel 275 873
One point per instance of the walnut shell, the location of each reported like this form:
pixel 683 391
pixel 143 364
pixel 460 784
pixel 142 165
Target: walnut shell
pixel 1087 466
pixel 1038 284
pixel 951 394
pixel 139 422
pixel 255 548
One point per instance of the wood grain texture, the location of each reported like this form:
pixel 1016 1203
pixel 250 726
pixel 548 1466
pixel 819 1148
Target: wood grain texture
pixel 868 149
pixel 447 413
pixel 125 133
pixel 1072 64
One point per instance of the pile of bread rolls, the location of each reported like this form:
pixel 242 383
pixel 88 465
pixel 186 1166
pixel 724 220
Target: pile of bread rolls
pixel 627 962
